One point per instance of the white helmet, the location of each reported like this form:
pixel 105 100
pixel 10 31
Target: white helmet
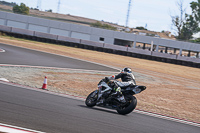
pixel 126 69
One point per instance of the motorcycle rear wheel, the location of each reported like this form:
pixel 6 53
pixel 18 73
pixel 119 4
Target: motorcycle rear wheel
pixel 91 99
pixel 129 106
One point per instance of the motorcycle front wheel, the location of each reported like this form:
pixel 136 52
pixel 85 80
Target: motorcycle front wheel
pixel 91 99
pixel 127 107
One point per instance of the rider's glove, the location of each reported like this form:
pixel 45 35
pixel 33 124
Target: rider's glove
pixel 111 77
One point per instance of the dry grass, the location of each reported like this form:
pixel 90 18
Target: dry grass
pixel 119 61
pixel 171 89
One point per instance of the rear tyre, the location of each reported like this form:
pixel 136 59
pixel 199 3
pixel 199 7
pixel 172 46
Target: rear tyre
pixel 91 99
pixel 129 106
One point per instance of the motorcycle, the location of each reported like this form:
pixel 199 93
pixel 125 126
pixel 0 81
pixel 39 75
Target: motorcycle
pixel 103 96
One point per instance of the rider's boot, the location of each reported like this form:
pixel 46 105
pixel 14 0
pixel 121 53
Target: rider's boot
pixel 119 95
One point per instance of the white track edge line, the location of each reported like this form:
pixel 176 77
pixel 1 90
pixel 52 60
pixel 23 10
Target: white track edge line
pixel 167 118
pixel 2 50
pixel 19 128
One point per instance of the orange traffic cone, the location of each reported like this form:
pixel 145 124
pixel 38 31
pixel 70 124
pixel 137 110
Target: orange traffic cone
pixel 45 84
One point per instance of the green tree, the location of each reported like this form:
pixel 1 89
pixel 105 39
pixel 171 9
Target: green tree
pixel 104 26
pixel 196 10
pixel 7 3
pixel 189 24
pixel 22 9
pixel 141 28
pixel 178 20
pixel 50 10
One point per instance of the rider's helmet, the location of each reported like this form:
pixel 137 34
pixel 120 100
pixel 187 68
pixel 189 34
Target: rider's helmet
pixel 126 69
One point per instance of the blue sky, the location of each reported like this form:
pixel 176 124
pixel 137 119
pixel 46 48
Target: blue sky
pixel 154 13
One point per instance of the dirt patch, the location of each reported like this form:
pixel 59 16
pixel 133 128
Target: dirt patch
pixel 171 89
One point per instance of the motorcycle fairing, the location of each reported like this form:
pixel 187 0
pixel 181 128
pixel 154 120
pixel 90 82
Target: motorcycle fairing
pixel 136 89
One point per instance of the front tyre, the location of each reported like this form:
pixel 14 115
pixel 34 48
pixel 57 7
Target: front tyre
pixel 129 106
pixel 91 99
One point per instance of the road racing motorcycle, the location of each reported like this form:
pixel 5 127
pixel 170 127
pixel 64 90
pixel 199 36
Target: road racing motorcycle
pixel 103 96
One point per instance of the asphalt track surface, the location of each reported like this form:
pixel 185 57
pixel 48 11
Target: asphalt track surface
pixel 21 56
pixel 52 113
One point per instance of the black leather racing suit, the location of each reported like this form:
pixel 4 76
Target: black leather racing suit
pixel 127 79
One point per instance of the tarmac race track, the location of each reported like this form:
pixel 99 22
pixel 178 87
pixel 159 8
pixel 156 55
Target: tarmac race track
pixel 39 110
pixel 21 56
pixel 54 113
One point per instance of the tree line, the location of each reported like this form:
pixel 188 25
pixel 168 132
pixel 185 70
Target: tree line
pixel 104 26
pixel 21 9
pixel 186 25
pixel 7 3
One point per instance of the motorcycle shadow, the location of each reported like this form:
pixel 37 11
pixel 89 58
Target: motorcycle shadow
pixel 101 108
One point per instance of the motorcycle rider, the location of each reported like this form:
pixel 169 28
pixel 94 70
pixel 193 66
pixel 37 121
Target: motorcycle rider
pixel 127 78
